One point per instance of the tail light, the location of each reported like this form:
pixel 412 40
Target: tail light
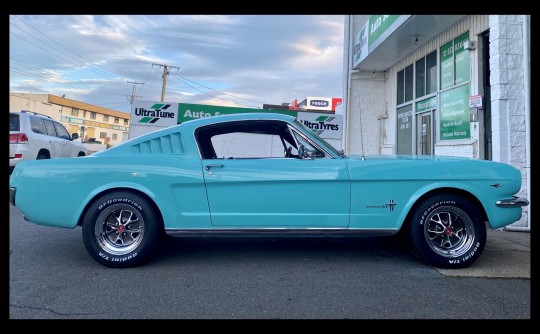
pixel 18 138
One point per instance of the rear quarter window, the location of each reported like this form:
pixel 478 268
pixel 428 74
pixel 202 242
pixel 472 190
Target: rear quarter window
pixel 37 126
pixel 14 124
pixel 49 126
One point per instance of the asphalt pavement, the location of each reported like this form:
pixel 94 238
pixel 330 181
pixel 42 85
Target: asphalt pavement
pixel 507 255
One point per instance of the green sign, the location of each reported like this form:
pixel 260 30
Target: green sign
pixel 187 111
pixel 455 115
pixel 455 62
pixel 447 65
pixel 462 59
pixel 378 24
pixel 426 105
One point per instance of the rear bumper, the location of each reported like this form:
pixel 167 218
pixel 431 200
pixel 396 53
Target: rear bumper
pixel 515 202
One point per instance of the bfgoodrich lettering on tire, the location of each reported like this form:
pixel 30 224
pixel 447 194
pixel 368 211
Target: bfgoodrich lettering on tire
pixel 448 231
pixel 120 229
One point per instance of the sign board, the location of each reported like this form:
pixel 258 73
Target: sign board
pixel 462 59
pixel 426 105
pixel 447 65
pixel 326 126
pixel 361 45
pixel 373 33
pixel 148 116
pixel 475 101
pixel 455 114
pixel 157 114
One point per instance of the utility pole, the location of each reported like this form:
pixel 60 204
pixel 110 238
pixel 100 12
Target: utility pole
pixel 133 96
pixel 165 73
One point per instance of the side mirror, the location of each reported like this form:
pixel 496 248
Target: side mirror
pixel 303 153
pixel 74 136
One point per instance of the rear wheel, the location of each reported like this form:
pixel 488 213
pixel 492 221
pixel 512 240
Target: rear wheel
pixel 120 229
pixel 448 231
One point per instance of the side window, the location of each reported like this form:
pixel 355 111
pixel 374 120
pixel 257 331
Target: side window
pixel 246 140
pixel 247 145
pixel 49 127
pixel 37 126
pixel 61 131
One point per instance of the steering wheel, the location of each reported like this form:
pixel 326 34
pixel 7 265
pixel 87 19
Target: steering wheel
pixel 288 152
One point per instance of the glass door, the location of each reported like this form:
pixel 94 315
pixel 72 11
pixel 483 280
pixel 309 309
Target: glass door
pixel 424 133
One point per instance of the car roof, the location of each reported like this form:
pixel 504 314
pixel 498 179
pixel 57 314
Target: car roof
pixel 236 117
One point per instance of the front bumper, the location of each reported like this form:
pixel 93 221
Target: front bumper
pixel 515 202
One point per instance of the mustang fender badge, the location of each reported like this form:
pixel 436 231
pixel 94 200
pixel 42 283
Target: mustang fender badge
pixel 389 205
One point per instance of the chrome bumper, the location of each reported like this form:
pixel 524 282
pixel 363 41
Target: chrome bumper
pixel 512 203
pixel 12 195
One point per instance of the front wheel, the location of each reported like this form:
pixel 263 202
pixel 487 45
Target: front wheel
pixel 448 231
pixel 120 229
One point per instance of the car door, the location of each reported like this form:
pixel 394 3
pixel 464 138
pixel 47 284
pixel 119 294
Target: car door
pixel 67 149
pixel 55 143
pixel 265 189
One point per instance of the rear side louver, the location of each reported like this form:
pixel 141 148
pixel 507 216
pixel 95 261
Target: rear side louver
pixel 169 144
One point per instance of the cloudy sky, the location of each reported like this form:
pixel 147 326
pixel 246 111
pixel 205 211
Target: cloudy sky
pixel 241 61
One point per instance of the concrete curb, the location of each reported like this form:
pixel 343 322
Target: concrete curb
pixel 507 255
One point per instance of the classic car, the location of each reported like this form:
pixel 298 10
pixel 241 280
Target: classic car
pixel 261 174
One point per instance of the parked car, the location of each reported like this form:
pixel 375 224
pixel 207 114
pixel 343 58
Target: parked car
pixel 33 136
pixel 265 174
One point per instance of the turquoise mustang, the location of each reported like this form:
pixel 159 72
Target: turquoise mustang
pixel 264 174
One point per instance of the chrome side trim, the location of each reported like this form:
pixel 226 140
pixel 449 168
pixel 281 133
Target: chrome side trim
pixel 512 203
pixel 281 231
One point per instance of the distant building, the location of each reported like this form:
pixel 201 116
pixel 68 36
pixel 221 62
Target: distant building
pixel 91 122
pixel 315 104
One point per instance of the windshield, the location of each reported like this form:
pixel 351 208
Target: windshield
pixel 316 136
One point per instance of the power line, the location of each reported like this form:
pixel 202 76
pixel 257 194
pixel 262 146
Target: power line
pixel 94 65
pixel 238 97
pixel 240 104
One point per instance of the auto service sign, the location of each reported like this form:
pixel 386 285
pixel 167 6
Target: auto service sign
pixel 327 126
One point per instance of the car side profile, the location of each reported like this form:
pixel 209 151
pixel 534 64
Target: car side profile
pixel 34 136
pixel 263 174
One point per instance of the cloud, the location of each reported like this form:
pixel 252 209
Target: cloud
pixel 265 58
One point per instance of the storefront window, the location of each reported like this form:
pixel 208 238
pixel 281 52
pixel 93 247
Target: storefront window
pixel 409 83
pixel 401 87
pixel 426 75
pixel 431 72
pixel 405 85
pixel 420 77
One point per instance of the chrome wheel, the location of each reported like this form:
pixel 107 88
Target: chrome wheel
pixel 119 229
pixel 449 231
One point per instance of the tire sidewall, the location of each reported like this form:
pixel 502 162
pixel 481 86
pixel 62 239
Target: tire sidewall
pixel 420 244
pixel 129 201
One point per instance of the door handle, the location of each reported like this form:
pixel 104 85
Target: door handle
pixel 207 167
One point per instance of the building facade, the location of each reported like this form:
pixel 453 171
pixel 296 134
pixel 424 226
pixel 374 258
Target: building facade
pixel 454 85
pixel 92 123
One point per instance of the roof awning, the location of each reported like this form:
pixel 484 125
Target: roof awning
pixel 397 39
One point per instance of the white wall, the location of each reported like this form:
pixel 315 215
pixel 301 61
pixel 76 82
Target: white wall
pixel 507 98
